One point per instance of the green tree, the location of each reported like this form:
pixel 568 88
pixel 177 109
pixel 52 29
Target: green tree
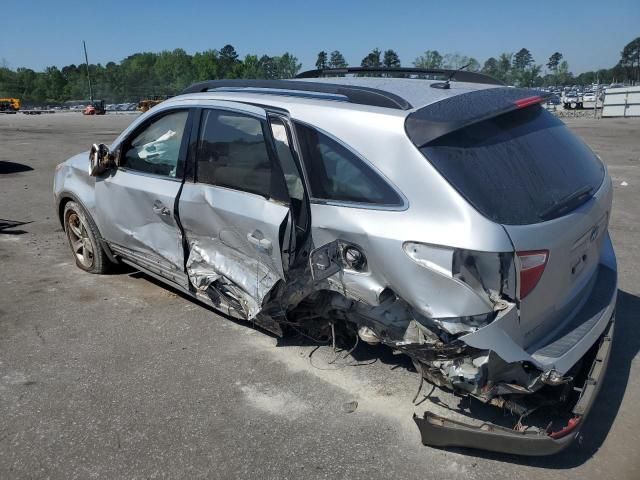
pixel 530 77
pixel 564 76
pixel 322 62
pixel 288 66
pixel 504 67
pixel 55 84
pixel 372 60
pixel 205 65
pixel 228 61
pixel 252 67
pixel 391 59
pixel 269 67
pixel 429 60
pixel 336 60
pixel 522 59
pixel 473 65
pixel 554 61
pixel 490 67
pixel 630 59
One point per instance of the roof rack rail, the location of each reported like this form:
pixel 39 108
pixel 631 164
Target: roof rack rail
pixel 351 93
pixel 459 75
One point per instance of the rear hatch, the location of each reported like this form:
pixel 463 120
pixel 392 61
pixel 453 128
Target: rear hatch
pixel 521 167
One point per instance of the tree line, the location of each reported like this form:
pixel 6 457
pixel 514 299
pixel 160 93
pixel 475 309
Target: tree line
pixel 169 72
pixel 141 75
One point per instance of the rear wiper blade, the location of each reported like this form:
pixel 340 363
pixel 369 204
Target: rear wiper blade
pixel 571 201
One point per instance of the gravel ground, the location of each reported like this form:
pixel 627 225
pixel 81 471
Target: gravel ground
pixel 118 376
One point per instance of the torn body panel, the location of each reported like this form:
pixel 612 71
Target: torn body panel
pixel 235 242
pixel 480 355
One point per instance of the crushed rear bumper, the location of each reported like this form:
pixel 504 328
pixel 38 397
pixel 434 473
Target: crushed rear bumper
pixel 438 431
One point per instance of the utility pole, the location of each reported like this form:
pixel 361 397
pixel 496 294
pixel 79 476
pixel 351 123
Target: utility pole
pixel 86 59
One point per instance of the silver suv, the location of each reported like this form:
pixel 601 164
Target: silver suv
pixel 452 219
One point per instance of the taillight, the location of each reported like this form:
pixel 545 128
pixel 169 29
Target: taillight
pixel 531 268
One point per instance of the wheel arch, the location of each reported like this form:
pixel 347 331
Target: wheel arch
pixel 66 197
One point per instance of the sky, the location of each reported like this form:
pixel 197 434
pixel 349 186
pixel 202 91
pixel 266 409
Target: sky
pixel 590 34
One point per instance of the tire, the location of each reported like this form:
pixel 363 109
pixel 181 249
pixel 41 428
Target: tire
pixel 573 105
pixel 82 236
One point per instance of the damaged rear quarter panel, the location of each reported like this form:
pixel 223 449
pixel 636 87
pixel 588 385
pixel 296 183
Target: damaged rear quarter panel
pixel 381 235
pixel 434 214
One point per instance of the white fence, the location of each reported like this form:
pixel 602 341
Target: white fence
pixel 622 102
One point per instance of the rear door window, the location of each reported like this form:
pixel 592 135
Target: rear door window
pixel 232 153
pixel 335 173
pixel 515 167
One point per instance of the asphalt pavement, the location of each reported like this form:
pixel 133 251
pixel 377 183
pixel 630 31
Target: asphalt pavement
pixel 118 376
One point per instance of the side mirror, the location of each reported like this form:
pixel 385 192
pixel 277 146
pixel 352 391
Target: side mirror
pixel 100 159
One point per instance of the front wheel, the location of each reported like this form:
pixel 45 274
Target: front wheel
pixel 83 236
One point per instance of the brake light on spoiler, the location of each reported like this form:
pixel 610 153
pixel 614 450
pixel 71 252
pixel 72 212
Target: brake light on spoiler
pixel 526 102
pixel 532 264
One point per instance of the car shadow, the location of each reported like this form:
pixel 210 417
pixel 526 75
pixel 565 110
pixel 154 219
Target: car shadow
pixel 625 346
pixel 364 354
pixel 12 167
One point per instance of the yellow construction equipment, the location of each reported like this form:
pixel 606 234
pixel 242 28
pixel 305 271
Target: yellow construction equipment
pixel 150 102
pixel 9 105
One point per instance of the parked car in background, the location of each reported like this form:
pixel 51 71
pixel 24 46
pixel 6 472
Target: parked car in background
pixel 572 100
pixel 454 221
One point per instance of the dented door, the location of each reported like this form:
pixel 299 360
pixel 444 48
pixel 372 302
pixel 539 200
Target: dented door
pixel 235 212
pixel 135 204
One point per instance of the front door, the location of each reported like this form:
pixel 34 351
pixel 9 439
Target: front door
pixel 136 202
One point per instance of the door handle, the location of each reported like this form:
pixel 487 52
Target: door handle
pixel 160 209
pixel 257 240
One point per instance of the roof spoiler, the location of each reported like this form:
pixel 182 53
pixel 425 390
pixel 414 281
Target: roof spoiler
pixel 458 75
pixel 453 113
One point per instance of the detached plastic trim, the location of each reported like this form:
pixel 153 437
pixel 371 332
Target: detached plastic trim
pixel 438 431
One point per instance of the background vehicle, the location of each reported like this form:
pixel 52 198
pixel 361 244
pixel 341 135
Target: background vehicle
pixel 485 258
pixel 572 100
pixel 9 105
pixel 95 108
pixel 150 102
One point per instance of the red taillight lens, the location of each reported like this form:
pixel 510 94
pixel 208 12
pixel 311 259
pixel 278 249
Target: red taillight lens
pixel 525 102
pixel 531 268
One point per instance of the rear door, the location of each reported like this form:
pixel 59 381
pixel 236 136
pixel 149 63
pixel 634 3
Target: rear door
pixel 136 202
pixel 235 208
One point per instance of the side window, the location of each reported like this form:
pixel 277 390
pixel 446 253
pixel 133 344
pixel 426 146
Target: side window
pixel 288 164
pixel 232 152
pixel 292 175
pixel 156 149
pixel 335 173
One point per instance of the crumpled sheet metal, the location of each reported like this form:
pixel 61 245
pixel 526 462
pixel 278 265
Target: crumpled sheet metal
pixel 211 260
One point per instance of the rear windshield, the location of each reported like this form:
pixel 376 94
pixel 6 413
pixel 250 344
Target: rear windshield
pixel 517 167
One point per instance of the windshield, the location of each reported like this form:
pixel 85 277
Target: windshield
pixel 517 167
